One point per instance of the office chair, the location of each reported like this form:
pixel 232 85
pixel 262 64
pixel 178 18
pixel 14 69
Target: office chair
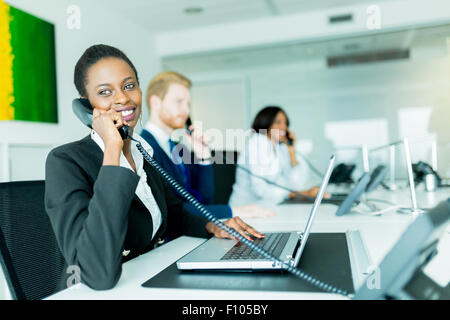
pixel 29 254
pixel 224 175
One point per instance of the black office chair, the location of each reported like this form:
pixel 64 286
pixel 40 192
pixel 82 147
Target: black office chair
pixel 224 175
pixel 29 254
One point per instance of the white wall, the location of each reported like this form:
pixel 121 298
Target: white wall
pixel 394 15
pixel 219 113
pixel 326 107
pixel 329 106
pixel 373 104
pixel 97 26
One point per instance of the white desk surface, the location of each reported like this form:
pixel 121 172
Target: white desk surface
pixel 379 234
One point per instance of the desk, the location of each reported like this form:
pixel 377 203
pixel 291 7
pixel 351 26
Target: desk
pixel 378 232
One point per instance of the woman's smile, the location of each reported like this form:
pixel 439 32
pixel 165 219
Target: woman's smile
pixel 128 113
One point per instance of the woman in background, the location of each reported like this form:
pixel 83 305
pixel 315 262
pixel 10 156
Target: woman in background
pixel 269 153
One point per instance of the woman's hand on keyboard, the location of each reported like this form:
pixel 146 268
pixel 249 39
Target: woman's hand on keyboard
pixel 237 224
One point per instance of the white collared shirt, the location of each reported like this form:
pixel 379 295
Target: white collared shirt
pixel 143 190
pixel 272 162
pixel 161 137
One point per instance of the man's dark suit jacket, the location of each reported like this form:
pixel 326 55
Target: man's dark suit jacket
pixel 201 179
pixel 96 215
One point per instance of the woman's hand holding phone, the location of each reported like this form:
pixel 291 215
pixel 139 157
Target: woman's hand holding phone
pixel 290 142
pixel 290 139
pixel 106 125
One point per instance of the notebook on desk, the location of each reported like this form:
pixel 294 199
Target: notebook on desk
pixel 226 254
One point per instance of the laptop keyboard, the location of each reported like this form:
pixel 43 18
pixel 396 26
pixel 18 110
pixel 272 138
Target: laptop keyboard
pixel 273 243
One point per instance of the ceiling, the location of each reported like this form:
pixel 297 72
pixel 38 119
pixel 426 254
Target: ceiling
pixel 168 15
pixel 302 51
pixel 159 16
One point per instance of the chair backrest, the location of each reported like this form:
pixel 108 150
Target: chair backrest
pixel 30 256
pixel 224 175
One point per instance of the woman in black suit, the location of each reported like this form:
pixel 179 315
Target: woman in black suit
pixel 105 203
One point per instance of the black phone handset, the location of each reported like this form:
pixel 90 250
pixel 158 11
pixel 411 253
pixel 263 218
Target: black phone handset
pixel 290 141
pixel 422 169
pixel 188 124
pixel 81 114
pixel 83 110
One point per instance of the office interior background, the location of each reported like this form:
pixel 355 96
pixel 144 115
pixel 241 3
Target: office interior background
pixel 347 72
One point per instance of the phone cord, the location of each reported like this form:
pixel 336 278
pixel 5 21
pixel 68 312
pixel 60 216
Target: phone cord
pixel 182 192
pixel 248 171
pixel 296 193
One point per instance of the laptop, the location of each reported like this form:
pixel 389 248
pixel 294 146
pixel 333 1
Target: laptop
pixel 227 254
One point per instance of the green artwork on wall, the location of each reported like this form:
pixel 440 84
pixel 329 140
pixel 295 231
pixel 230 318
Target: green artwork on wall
pixel 28 67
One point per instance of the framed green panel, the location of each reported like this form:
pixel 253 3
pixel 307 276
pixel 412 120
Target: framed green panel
pixel 34 68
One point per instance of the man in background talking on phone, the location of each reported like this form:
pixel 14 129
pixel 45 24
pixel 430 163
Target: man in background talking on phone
pixel 168 98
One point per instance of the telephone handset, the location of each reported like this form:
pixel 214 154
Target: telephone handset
pixel 421 169
pixel 188 124
pixel 342 173
pixel 290 141
pixel 83 110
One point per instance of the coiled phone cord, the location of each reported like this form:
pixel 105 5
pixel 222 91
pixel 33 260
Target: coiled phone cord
pixel 186 195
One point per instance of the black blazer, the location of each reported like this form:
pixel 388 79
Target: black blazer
pixel 96 215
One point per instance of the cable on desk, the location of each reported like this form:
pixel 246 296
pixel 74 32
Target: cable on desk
pixel 186 195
